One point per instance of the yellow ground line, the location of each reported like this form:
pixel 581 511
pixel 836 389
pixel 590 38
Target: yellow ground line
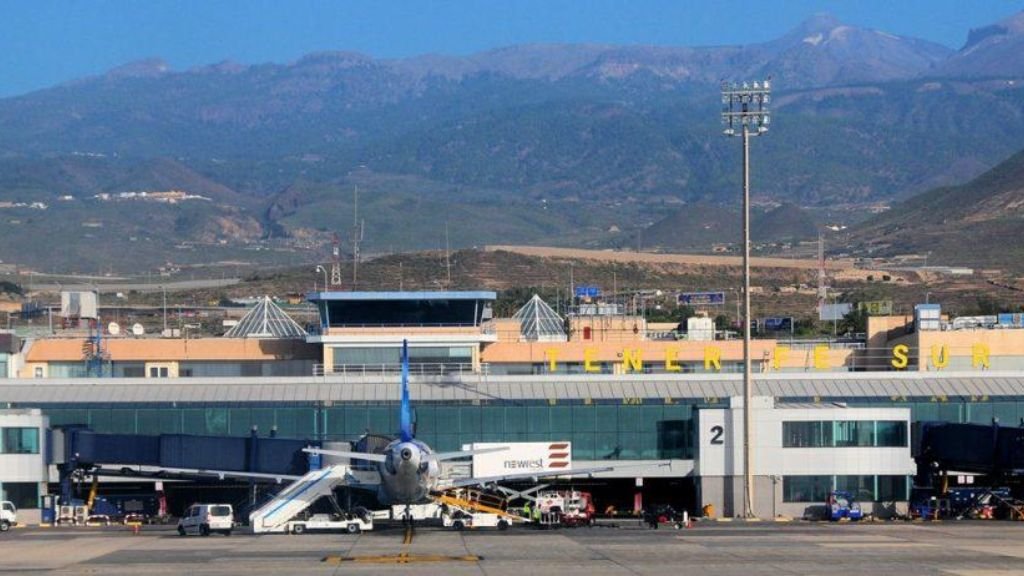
pixel 403 558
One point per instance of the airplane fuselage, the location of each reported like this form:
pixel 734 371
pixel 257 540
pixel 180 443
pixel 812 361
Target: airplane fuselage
pixel 407 474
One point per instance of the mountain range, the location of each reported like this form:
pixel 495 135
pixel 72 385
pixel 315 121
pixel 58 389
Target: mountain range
pixel 977 224
pixel 558 144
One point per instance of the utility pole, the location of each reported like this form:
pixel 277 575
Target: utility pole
pixel 335 263
pixel 744 108
pixel 164 290
pixel 822 289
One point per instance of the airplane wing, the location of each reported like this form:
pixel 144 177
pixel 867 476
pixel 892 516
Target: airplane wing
pixel 440 456
pixel 547 474
pixel 221 474
pixel 531 476
pixel 350 455
pixel 355 479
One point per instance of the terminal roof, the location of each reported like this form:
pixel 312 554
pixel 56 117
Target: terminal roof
pixel 405 295
pixel 699 388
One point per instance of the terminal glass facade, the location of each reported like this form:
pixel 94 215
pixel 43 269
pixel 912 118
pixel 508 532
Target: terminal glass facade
pixel 369 356
pixel 845 433
pixel 632 428
pixel 400 312
pixel 19 441
pixel 189 369
pixel 22 494
pixel 863 488
pixel 597 431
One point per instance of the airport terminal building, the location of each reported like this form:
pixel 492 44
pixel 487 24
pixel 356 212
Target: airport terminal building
pixel 664 409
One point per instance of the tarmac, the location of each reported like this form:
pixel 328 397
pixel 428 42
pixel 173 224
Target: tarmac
pixel 966 548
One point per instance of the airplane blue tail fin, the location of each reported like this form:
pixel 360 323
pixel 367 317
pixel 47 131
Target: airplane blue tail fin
pixel 405 415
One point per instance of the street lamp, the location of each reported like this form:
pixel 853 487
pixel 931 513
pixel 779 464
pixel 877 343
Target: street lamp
pixel 320 268
pixel 745 109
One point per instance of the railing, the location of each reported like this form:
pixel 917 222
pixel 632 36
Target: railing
pixel 425 369
pixel 407 325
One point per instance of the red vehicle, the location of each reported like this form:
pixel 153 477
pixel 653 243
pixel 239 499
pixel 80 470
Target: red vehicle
pixel 570 507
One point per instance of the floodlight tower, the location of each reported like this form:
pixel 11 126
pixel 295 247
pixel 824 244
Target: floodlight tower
pixel 745 109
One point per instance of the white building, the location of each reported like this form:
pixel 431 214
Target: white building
pixel 801 453
pixel 23 470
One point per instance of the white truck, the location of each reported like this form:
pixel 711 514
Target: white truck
pixel 8 515
pixel 352 524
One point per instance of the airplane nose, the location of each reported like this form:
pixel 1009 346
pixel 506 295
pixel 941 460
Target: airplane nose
pixel 406 454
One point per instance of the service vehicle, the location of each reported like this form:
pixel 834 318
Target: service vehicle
pixel 570 507
pixel 206 519
pixel 353 524
pixel 462 520
pixel 429 511
pixel 666 515
pixel 8 515
pixel 841 504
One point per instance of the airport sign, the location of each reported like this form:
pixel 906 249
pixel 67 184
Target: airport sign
pixel 778 324
pixel 520 457
pixel 702 298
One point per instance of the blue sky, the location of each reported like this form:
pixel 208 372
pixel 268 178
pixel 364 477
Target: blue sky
pixel 44 43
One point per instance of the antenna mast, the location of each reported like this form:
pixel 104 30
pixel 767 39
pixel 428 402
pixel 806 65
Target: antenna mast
pixel 357 237
pixel 447 256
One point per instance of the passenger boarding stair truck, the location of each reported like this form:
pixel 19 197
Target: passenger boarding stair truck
pixel 285 506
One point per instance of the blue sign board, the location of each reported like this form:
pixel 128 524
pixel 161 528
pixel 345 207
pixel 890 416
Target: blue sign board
pixel 702 298
pixel 587 291
pixel 778 324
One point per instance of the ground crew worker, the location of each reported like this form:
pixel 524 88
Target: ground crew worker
pixel 527 511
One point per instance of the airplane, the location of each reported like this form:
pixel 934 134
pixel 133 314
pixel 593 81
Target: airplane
pixel 410 472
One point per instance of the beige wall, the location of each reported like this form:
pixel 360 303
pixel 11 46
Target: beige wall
pixel 172 369
pixel 967 347
pixel 941 349
pixel 29 370
pixel 607 328
pixel 764 353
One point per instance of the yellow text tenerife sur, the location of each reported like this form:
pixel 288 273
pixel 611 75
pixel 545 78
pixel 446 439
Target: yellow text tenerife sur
pixel 632 359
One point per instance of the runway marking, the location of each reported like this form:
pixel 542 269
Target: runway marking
pixel 403 558
pixel 875 545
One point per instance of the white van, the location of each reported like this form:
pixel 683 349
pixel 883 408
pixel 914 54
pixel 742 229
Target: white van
pixel 205 519
pixel 8 515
